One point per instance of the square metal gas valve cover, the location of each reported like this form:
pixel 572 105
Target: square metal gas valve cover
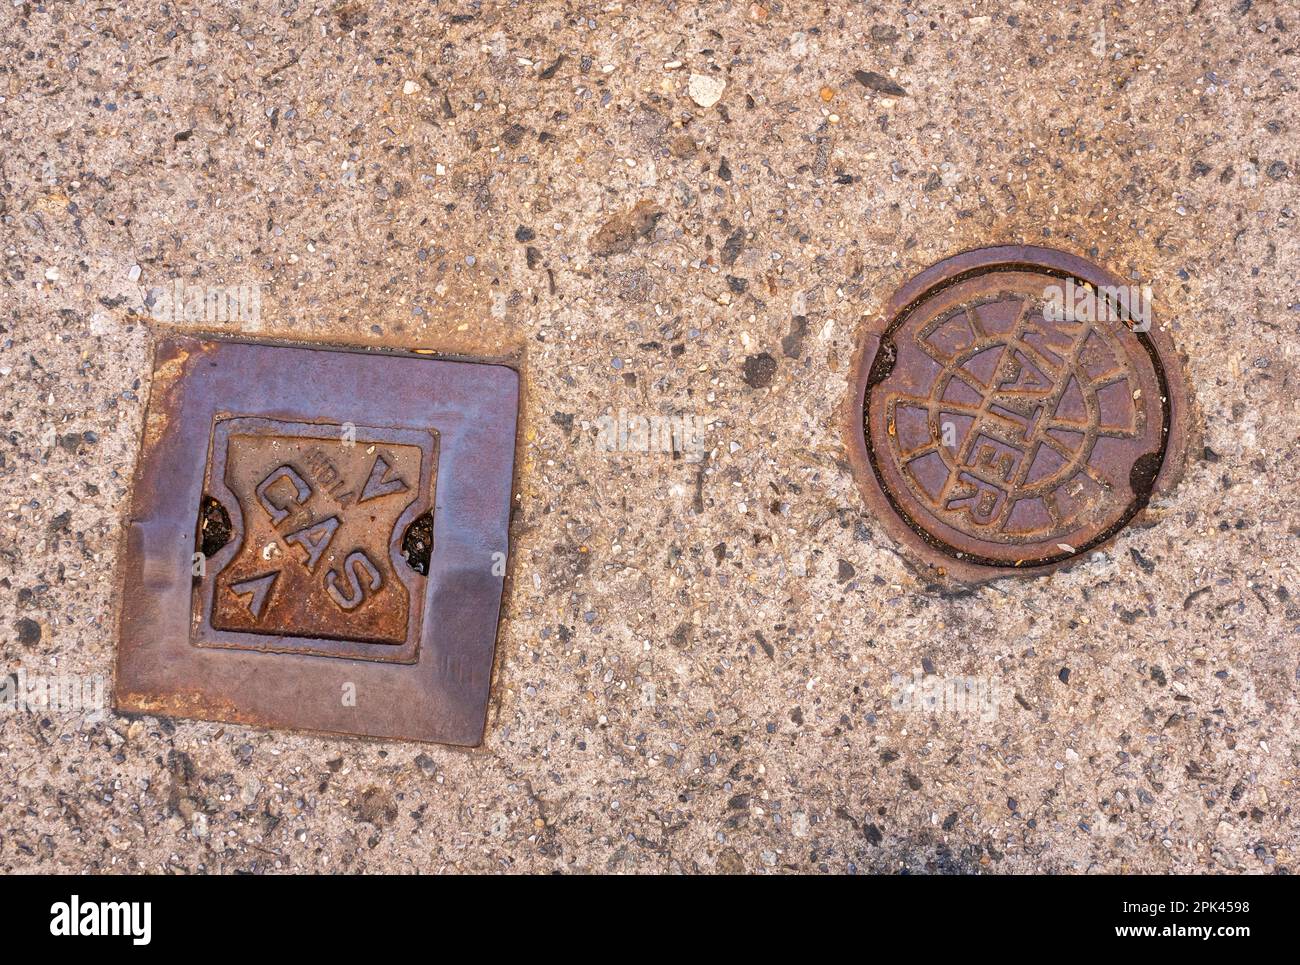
pixel 317 540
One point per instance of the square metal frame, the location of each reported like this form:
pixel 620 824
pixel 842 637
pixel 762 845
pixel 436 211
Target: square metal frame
pixel 443 694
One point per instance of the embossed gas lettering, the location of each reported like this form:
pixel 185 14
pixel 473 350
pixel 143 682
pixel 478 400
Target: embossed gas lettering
pixel 315 538
pixel 357 560
pixel 279 513
pixel 330 511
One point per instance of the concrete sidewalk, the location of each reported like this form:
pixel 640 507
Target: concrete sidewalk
pixel 702 665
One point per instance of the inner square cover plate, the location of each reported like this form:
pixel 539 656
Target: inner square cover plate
pixel 309 616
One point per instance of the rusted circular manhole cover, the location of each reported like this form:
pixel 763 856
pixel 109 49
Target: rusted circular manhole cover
pixel 1016 407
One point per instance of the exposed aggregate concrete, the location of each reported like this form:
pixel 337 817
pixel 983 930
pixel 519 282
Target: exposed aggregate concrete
pixel 700 662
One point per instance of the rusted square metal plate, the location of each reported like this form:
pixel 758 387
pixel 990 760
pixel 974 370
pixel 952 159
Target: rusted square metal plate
pixel 317 540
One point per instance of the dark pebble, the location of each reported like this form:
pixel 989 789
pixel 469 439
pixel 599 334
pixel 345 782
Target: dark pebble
pixel 879 83
pixel 759 370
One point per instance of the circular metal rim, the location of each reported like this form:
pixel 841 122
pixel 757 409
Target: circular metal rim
pixel 958 268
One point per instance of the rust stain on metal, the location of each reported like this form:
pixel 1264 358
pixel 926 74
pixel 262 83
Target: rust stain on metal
pixel 301 470
pixel 317 524
pixel 168 371
pixel 190 704
pixel 1012 412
